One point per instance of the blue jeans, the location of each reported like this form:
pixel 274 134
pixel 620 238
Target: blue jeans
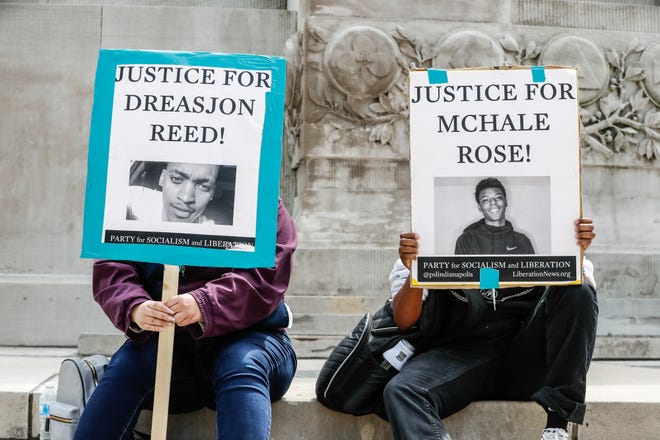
pixel 238 375
pixel 546 362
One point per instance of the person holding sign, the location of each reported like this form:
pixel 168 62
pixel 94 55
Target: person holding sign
pixel 493 234
pixel 231 350
pixel 187 189
pixel 536 344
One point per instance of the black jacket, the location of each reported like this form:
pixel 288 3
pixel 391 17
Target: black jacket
pixel 482 239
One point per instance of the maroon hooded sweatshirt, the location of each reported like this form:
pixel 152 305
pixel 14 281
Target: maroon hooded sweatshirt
pixel 229 299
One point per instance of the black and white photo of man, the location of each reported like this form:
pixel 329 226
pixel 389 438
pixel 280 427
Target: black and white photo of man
pixel 493 234
pixel 183 194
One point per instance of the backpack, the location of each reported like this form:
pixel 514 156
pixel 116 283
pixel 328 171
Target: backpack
pixel 352 378
pixel 78 378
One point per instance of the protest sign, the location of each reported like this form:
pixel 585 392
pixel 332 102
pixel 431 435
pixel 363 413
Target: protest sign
pixel 517 127
pixel 184 158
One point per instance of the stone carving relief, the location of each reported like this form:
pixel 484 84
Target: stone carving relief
pixel 362 62
pixel 292 118
pixel 649 62
pixel 357 85
pixel 467 48
pixel 593 71
pixel 617 112
pixel 357 80
pixel 293 97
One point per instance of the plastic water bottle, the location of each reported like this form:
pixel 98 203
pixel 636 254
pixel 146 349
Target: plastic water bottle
pixel 48 396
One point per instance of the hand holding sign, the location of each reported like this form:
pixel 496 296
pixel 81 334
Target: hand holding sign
pixel 152 315
pixel 185 309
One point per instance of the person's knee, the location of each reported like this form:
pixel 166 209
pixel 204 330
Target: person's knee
pixel 576 297
pixel 245 366
pixel 583 294
pixel 391 391
pixel 134 362
pixel 255 361
pixel 398 390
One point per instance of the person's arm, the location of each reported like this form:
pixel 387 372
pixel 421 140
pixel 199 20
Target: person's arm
pixel 118 289
pixel 526 245
pixel 460 247
pixel 584 234
pixel 407 303
pixel 241 298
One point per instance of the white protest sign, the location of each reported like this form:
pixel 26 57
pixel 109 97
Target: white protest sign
pixel 517 130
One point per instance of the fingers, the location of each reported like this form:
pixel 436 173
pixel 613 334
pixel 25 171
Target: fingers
pixel 185 309
pixel 408 247
pixel 584 232
pixel 153 316
pixel 156 315
pixel 158 309
pixel 583 221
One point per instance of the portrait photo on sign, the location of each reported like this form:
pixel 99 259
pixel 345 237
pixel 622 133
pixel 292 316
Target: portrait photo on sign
pixel 181 192
pixel 492 215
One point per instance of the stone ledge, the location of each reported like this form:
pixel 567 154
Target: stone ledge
pixel 610 414
pixel 623 401
pixel 300 417
pixel 313 346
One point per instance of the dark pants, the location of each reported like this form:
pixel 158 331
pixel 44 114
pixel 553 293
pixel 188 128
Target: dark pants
pixel 546 362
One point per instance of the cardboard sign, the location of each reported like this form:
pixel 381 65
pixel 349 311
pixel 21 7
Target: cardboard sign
pixel 184 158
pixel 495 176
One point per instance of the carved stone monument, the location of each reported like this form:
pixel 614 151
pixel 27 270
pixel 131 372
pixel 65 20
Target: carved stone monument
pixel 346 172
pixel 346 167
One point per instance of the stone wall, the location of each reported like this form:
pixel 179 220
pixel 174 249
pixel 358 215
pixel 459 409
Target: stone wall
pixel 348 135
pixel 346 174
pixel 48 54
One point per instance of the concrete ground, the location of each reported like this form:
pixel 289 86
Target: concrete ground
pixel 623 398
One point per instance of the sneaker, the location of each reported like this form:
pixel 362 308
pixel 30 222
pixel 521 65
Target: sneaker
pixel 554 434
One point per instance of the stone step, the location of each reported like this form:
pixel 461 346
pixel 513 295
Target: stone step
pixel 247 4
pixel 330 302
pixel 320 346
pixel 71 311
pixel 617 316
pixel 300 417
pixel 623 402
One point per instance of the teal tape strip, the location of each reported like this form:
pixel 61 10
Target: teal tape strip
pixel 489 278
pixel 538 73
pixel 437 76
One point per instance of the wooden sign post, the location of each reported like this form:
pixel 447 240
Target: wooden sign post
pixel 164 362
